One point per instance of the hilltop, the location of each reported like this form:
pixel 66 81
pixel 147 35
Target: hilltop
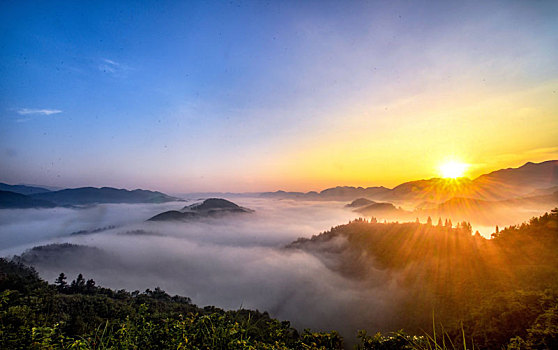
pixel 212 207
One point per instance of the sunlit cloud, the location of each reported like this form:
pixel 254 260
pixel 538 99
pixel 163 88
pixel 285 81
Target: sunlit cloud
pixel 31 111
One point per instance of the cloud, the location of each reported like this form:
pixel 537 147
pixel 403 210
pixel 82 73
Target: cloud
pixel 112 67
pixel 32 111
pixel 229 262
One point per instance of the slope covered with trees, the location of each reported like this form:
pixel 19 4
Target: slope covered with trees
pixel 81 315
pixel 500 292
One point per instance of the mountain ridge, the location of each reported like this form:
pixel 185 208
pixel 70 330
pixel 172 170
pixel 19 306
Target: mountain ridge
pixel 497 185
pixel 77 196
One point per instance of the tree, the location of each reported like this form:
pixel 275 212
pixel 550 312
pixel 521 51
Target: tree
pixel 90 286
pixel 78 285
pixel 429 221
pixel 440 224
pixel 61 282
pixel 448 223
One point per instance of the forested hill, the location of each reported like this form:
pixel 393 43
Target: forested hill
pixel 500 288
pixel 81 315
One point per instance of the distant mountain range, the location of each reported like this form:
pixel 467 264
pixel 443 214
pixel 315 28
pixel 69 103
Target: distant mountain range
pixel 15 200
pixel 22 189
pixel 529 179
pixel 212 207
pixel 20 196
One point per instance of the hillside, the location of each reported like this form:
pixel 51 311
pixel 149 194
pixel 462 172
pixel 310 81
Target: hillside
pixel 448 271
pixel 528 177
pixel 82 315
pixel 484 212
pixel 359 202
pixel 212 207
pixel 384 210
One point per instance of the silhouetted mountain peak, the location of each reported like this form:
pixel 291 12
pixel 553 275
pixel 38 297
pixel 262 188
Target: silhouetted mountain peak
pixel 360 202
pixel 212 207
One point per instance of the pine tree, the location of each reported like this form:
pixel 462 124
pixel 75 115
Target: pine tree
pixel 61 282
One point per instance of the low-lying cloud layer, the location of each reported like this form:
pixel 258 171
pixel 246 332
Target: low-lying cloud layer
pixel 229 262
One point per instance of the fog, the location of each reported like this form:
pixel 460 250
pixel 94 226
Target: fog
pixel 229 262
pixel 24 228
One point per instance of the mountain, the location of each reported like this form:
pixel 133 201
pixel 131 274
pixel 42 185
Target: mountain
pixel 339 193
pixel 59 254
pixel 212 207
pixel 531 178
pixel 212 204
pixel 498 185
pixel 22 189
pixel 12 200
pixel 349 193
pixel 359 202
pixel 438 190
pixel 543 191
pixel 92 195
pixel 384 211
pixel 504 212
pixel 528 177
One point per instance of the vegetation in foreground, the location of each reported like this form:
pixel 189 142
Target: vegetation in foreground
pixel 80 315
pixel 488 294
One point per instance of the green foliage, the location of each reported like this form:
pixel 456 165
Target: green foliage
pixel 394 341
pixel 494 293
pixel 36 315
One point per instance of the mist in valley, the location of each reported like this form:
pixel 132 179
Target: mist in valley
pixel 229 262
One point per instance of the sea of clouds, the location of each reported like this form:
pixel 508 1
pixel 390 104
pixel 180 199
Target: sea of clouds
pixel 229 262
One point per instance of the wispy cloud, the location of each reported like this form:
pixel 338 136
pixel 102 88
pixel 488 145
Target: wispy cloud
pixel 31 111
pixel 112 67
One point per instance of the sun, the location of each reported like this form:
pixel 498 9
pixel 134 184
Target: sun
pixel 453 169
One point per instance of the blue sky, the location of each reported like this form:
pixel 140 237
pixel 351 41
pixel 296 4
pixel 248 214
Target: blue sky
pixel 241 96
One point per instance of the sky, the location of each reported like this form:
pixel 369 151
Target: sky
pixel 260 96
